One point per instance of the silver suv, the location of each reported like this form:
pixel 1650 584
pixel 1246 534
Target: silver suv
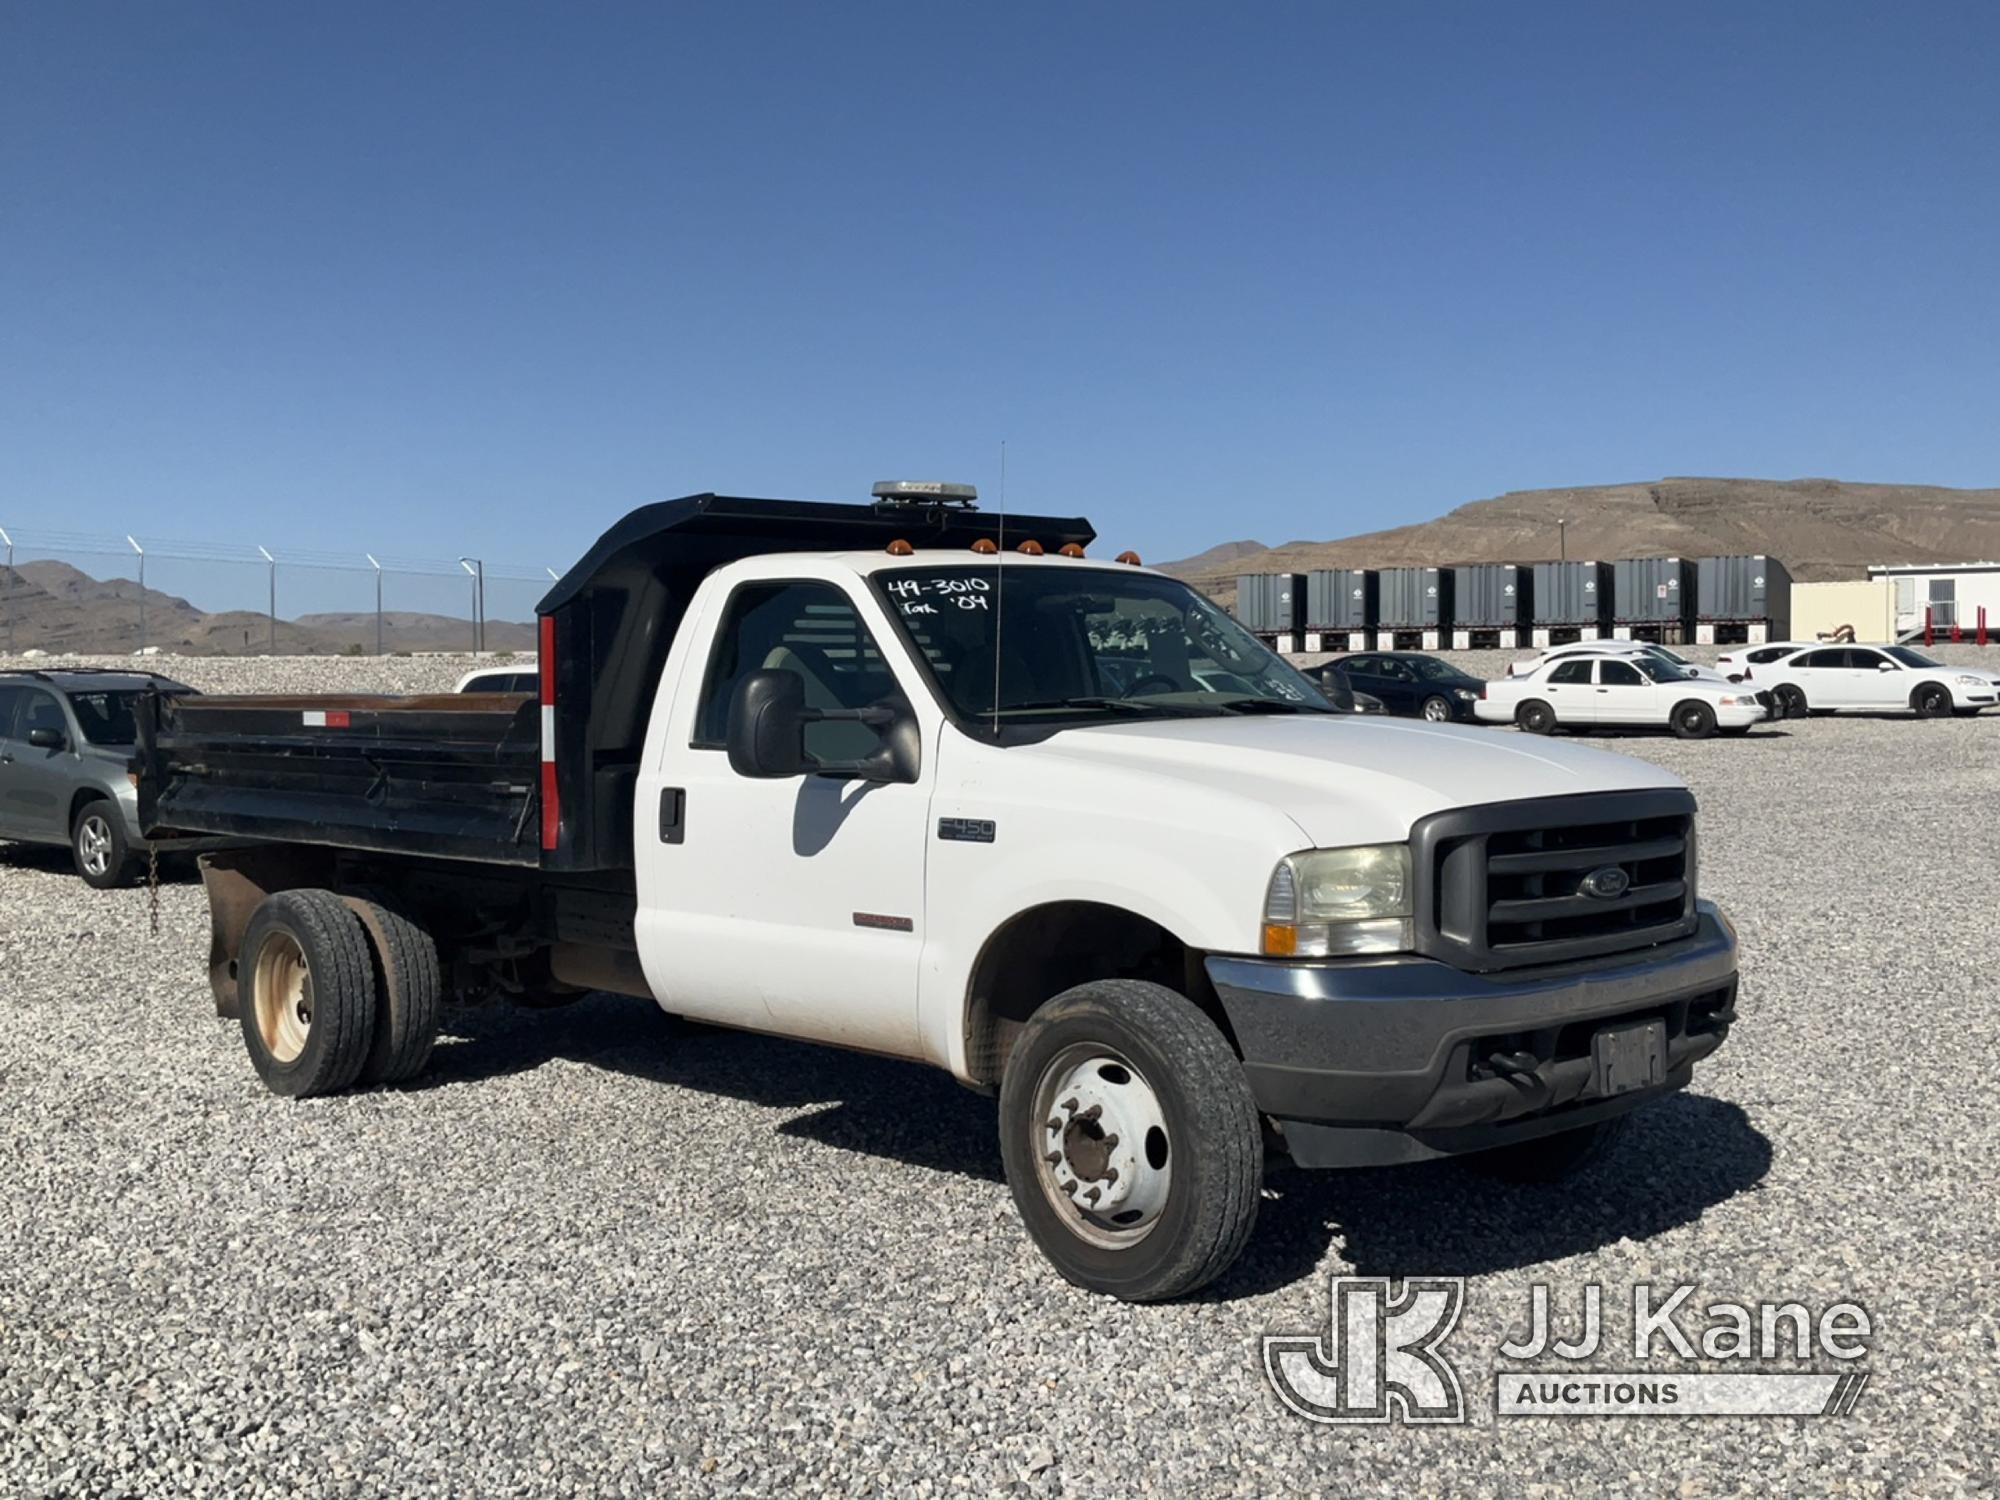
pixel 66 735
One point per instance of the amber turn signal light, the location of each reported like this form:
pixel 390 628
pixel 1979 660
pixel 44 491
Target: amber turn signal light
pixel 1281 940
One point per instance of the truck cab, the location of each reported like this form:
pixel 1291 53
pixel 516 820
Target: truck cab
pixel 952 790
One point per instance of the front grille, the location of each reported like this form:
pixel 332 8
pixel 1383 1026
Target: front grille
pixel 1555 879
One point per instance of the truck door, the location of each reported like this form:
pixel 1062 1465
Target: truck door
pixel 793 904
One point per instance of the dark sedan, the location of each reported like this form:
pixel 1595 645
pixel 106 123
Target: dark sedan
pixel 1415 685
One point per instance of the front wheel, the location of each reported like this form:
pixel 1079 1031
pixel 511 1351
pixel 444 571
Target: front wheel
pixel 1436 710
pixel 98 845
pixel 1536 717
pixel 1693 721
pixel 1132 1145
pixel 1931 701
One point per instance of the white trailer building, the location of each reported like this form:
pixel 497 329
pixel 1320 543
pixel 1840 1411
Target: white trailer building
pixel 1954 593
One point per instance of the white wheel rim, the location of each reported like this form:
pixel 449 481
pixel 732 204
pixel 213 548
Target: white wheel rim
pixel 93 845
pixel 284 997
pixel 1101 1145
pixel 1436 711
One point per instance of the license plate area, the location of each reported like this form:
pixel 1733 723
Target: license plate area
pixel 1624 1058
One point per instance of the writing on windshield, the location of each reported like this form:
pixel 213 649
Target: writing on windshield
pixel 1057 641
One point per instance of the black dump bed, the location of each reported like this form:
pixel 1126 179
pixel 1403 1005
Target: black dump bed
pixel 451 776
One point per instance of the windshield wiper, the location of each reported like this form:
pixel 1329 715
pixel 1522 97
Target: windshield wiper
pixel 1114 705
pixel 1245 704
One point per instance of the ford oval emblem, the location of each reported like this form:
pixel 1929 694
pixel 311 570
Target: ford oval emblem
pixel 1606 884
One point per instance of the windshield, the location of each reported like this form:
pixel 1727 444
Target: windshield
pixel 1085 643
pixel 1430 669
pixel 105 718
pixel 1911 658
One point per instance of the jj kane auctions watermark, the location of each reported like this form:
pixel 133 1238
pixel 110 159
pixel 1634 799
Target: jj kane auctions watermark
pixel 1382 1356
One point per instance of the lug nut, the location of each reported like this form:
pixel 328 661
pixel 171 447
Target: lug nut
pixel 1053 1158
pixel 1068 1187
pixel 1093 1195
pixel 1092 1113
pixel 1070 1105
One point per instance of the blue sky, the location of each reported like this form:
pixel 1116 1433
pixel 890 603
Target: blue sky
pixel 430 279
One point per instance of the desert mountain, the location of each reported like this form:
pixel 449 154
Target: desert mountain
pixel 1820 529
pixel 52 606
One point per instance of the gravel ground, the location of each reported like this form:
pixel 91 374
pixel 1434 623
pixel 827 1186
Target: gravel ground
pixel 593 1254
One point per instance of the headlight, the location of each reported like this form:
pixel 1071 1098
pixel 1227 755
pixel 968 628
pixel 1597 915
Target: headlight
pixel 1975 682
pixel 1325 902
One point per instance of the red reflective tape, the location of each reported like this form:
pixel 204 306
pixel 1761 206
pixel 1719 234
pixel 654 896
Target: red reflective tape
pixel 551 798
pixel 548 658
pixel 335 719
pixel 551 806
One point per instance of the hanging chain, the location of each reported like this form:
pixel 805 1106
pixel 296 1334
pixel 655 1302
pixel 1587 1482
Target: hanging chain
pixel 153 889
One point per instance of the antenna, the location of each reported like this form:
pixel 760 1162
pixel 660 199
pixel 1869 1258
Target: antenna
pixel 999 585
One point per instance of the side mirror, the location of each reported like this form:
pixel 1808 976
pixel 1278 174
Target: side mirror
pixel 767 725
pixel 1885 666
pixel 47 739
pixel 767 728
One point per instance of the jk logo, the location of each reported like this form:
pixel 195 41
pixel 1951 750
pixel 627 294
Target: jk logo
pixel 1378 1359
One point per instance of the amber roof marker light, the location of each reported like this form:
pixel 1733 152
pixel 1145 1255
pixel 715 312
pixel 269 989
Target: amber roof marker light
pixel 1030 548
pixel 1129 558
pixel 985 546
pixel 901 548
pixel 1071 549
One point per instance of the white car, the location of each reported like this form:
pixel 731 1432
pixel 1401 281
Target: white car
pixel 500 680
pixel 1670 659
pixel 1743 661
pixel 1631 689
pixel 1875 679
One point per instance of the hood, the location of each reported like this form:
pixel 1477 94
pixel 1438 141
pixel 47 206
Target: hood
pixel 1347 778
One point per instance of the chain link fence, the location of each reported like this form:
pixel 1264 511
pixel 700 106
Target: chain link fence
pixel 70 592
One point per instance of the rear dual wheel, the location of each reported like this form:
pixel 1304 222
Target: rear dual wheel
pixel 335 992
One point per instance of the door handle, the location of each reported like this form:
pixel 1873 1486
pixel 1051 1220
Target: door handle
pixel 673 814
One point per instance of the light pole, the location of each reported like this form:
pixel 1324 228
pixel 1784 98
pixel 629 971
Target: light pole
pixel 378 600
pixel 477 570
pixel 1562 539
pixel 10 588
pixel 274 598
pixel 142 593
